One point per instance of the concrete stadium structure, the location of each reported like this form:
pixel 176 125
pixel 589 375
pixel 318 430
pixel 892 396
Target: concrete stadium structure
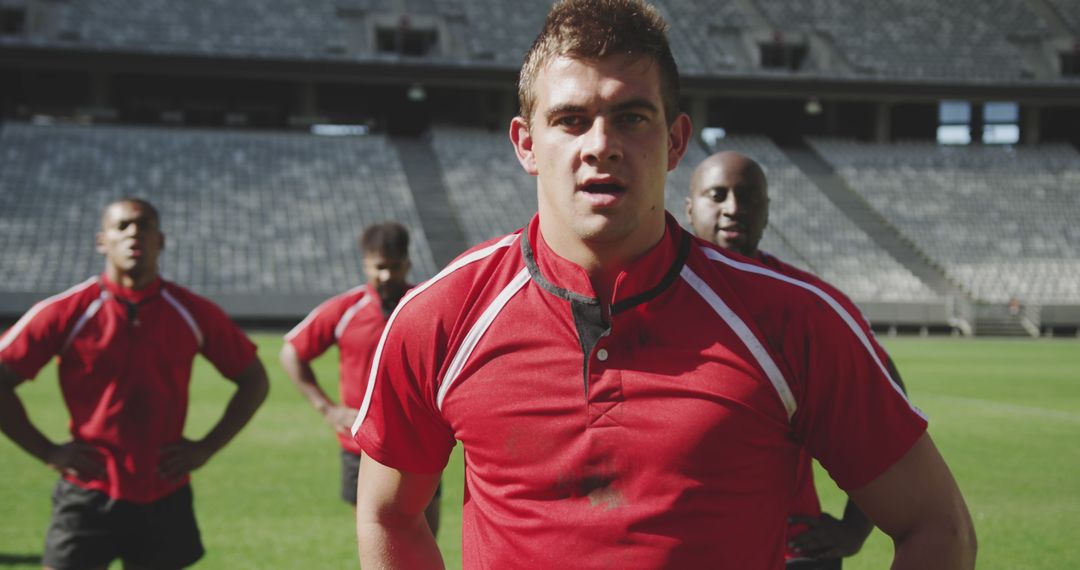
pixel 207 107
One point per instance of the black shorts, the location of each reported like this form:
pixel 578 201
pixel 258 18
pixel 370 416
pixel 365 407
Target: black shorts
pixel 350 472
pixel 811 564
pixel 89 528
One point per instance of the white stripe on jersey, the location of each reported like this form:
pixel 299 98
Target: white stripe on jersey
pixel 18 327
pixel 339 329
pixel 314 312
pixel 462 262
pixel 185 315
pixel 783 390
pixel 85 318
pixel 477 332
pixel 844 315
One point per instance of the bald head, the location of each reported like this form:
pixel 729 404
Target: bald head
pixel 729 202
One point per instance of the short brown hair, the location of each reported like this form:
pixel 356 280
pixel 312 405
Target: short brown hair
pixel 387 238
pixel 593 29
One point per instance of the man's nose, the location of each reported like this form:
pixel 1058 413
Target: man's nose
pixel 600 143
pixel 730 205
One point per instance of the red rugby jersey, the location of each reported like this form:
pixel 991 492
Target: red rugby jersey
pixel 806 498
pixel 670 439
pixel 354 321
pixel 125 362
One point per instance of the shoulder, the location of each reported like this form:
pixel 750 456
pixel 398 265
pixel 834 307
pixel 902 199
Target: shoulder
pixel 198 311
pixel 746 278
pixel 340 303
pixel 481 271
pixel 772 298
pixel 66 304
pixel 57 311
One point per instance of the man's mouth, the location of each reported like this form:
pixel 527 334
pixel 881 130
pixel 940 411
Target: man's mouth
pixel 603 188
pixel 603 193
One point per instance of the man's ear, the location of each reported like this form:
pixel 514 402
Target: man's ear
pixel 162 246
pixel 679 139
pixel 689 209
pixel 523 144
pixel 99 242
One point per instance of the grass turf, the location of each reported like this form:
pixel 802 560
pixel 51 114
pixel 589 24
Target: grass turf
pixel 1004 413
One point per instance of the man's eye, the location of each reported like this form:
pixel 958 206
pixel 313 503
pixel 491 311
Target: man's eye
pixel 718 195
pixel 570 121
pixel 632 118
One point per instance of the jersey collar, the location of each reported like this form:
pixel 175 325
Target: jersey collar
pixel 643 280
pixel 131 295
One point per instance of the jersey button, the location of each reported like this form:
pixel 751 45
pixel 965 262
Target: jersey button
pixel 601 354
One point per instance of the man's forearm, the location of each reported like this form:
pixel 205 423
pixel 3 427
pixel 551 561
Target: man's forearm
pixel 404 544
pixel 303 377
pixel 16 425
pixel 944 547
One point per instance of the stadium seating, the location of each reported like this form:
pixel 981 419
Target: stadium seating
pixel 1001 221
pixel 917 39
pixel 244 212
pixel 491 193
pixel 317 29
pixel 1069 10
pixel 914 39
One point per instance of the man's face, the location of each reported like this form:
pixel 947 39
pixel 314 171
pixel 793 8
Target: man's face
pixel 600 145
pixel 387 274
pixel 130 239
pixel 729 204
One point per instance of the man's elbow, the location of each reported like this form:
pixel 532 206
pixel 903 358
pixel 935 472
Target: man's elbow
pixel 287 356
pixel 944 542
pixel 254 383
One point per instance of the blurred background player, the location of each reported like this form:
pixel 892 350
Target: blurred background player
pixel 354 321
pixel 126 341
pixel 729 205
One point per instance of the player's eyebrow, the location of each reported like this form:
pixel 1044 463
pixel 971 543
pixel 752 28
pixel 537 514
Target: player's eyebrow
pixel 639 104
pixel 563 109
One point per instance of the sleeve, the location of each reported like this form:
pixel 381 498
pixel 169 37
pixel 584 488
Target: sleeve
pixel 851 416
pixel 858 319
pixel 224 344
pixel 34 339
pixel 400 424
pixel 317 332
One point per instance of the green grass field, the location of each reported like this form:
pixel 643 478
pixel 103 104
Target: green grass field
pixel 1006 415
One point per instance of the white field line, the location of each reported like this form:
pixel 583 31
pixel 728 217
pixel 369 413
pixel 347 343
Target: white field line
pixel 1003 408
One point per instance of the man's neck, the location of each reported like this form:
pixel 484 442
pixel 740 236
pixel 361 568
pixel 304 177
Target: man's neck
pixel 130 280
pixel 602 261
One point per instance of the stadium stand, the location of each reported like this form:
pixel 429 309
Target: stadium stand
pixel 490 192
pixel 870 69
pixel 1069 12
pixel 807 229
pixel 1001 221
pixel 319 29
pixel 918 39
pixel 706 36
pixel 967 40
pixel 245 212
